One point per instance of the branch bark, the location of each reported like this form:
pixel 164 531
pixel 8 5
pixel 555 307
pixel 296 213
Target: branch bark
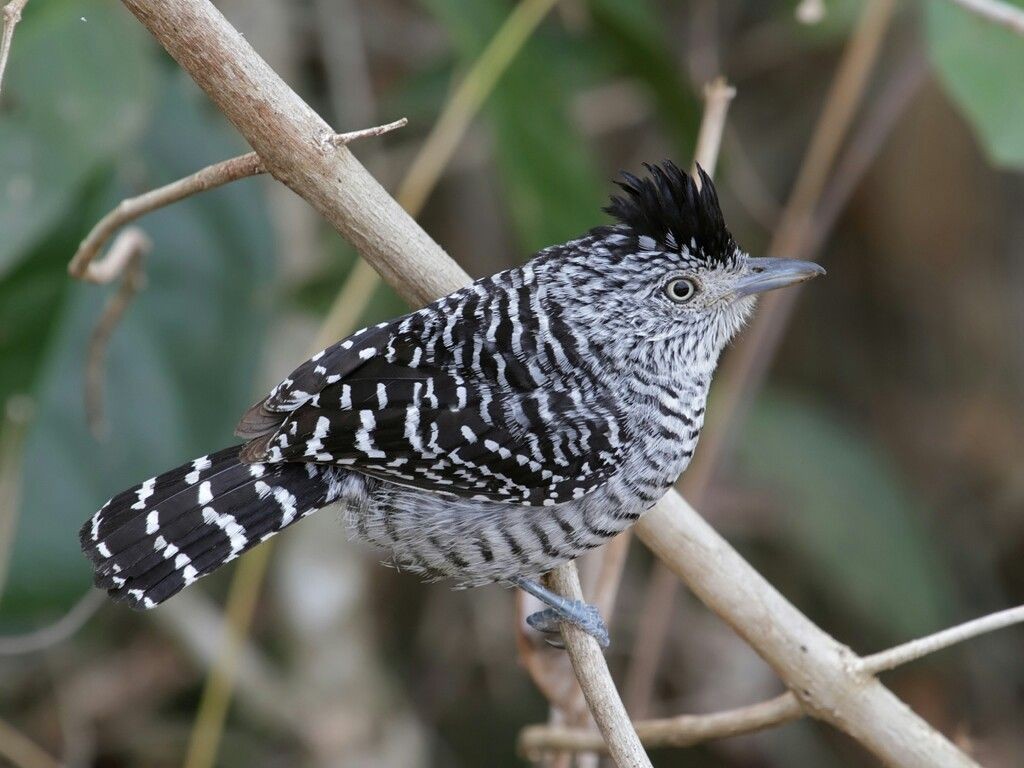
pixel 12 15
pixel 84 266
pixel 686 730
pixel 822 673
pixel 592 672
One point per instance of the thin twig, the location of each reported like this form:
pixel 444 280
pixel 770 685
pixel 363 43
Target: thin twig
pixel 21 750
pixel 14 420
pixel 744 369
pixel 718 95
pixel 125 256
pixel 12 15
pixel 687 730
pixel 343 139
pixel 211 177
pixel 82 267
pixel 996 11
pixel 915 649
pixel 596 681
pixel 66 626
pixel 679 731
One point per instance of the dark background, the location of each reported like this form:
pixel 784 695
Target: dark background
pixel 878 479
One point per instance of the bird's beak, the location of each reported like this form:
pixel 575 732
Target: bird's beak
pixel 768 274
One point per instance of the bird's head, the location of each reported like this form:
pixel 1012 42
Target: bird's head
pixel 669 273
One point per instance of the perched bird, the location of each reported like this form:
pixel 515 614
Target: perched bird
pixel 489 437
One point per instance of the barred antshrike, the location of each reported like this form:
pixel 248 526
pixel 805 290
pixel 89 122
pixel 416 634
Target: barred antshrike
pixel 488 437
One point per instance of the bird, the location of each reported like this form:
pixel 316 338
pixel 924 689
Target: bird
pixel 490 436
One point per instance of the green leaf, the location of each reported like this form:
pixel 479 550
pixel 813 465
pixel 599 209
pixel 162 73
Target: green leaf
pixel 180 366
pixel 551 183
pixel 78 89
pixel 848 517
pixel 980 64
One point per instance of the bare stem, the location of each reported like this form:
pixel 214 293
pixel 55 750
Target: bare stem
pixel 686 730
pixel 12 15
pixel 996 11
pixel 915 649
pixel 82 265
pixel 63 628
pixel 596 681
pixel 718 95
pixel 679 731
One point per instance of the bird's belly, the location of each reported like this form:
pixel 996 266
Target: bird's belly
pixel 474 542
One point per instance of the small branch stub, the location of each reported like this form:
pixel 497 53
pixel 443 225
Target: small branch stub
pixel 11 16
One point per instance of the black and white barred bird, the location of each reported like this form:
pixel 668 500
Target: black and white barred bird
pixel 488 437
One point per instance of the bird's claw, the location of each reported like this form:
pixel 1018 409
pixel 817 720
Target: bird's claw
pixel 576 612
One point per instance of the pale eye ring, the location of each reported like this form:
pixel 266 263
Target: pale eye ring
pixel 680 289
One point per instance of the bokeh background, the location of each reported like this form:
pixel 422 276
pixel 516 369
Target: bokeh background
pixel 877 478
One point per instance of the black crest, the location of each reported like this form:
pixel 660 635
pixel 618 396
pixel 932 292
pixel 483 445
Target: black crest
pixel 668 207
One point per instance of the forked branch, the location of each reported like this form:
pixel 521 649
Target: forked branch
pixel 82 265
pixel 687 730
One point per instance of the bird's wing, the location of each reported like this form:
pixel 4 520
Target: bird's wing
pixel 436 402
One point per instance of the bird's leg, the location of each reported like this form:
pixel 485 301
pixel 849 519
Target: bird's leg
pixel 583 615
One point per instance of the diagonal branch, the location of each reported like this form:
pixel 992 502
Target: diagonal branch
pixel 82 264
pixel 678 731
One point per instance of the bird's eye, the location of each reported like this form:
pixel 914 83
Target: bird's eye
pixel 680 289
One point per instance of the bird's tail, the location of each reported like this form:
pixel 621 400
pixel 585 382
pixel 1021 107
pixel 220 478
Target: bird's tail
pixel 151 541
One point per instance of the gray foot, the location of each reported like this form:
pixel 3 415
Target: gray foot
pixel 583 615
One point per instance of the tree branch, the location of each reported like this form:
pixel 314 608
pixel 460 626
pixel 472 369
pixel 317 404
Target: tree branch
pixel 915 649
pixel 679 731
pixel 12 15
pixel 591 669
pixel 820 671
pixel 82 265
pixel 686 730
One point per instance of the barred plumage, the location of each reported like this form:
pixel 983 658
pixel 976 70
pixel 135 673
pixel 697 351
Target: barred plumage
pixel 494 434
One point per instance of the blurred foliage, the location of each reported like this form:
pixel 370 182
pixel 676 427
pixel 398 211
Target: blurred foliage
pixel 181 365
pixel 981 65
pixel 73 107
pixel 848 517
pixel 549 176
